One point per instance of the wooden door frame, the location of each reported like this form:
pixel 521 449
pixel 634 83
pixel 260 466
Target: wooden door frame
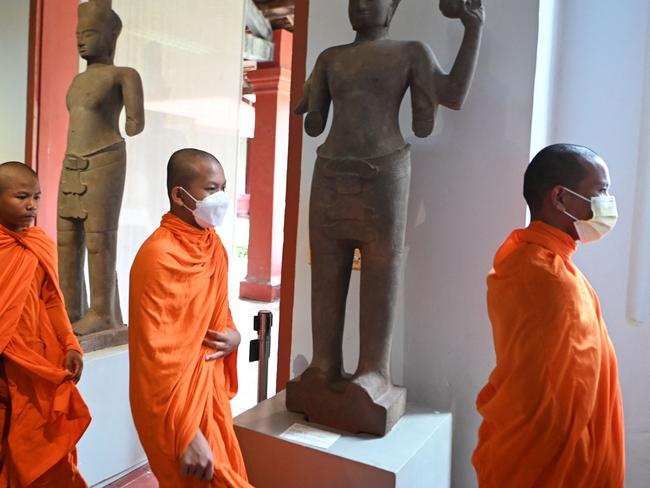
pixel 294 163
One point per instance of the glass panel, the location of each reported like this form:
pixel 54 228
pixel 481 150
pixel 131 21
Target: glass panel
pixel 189 55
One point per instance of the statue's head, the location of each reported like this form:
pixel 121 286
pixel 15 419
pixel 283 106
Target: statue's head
pixel 365 14
pixel 97 30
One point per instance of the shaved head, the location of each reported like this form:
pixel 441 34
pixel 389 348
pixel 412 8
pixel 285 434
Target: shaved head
pixel 12 169
pixel 20 194
pixel 556 165
pixel 186 165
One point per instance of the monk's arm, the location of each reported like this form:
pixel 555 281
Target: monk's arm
pixel 59 319
pixel 316 99
pixel 133 97
pixel 451 89
pixel 535 326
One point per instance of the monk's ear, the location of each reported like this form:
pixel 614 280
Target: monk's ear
pixel 557 198
pixel 176 196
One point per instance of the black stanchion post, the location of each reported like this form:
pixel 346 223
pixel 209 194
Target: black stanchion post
pixel 260 350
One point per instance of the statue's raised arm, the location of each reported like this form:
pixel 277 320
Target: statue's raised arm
pixel 452 89
pixel 430 85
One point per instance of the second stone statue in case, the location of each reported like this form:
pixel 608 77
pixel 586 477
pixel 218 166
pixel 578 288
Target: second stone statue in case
pixel 94 169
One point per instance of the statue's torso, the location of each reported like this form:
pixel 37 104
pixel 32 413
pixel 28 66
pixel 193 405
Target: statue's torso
pixel 367 82
pixel 94 103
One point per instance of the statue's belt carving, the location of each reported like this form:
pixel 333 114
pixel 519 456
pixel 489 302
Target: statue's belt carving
pixel 71 178
pixel 73 187
pixel 350 174
pixel 353 208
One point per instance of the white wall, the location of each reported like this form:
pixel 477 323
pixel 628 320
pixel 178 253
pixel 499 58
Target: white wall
pixel 14 47
pixel 465 198
pixel 600 80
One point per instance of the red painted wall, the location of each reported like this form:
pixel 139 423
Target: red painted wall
pixel 53 63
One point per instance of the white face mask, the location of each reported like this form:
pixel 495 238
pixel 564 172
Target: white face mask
pixel 603 220
pixel 210 211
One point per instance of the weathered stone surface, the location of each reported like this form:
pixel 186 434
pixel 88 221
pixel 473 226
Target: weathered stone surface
pixel 359 198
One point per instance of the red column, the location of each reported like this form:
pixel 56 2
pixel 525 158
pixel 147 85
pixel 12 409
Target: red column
pixel 267 160
pixel 53 63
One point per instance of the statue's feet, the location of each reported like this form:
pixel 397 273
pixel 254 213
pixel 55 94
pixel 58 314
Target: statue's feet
pixel 92 322
pixel 327 374
pixel 373 382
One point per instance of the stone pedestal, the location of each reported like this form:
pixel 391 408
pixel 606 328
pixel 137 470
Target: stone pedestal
pixel 110 447
pixel 104 339
pixel 416 453
pixel 345 405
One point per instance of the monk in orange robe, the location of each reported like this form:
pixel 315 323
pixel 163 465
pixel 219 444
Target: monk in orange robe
pixel 182 340
pixel 42 414
pixel 552 410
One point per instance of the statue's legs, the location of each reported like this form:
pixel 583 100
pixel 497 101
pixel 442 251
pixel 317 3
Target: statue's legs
pixel 71 250
pixel 330 278
pixel 103 286
pixel 331 265
pixel 357 203
pixel 380 276
pixel 386 198
pixel 104 180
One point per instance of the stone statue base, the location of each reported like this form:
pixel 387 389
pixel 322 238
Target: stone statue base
pixel 104 339
pixel 345 405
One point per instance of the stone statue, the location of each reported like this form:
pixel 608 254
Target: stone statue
pixel 94 168
pixel 359 200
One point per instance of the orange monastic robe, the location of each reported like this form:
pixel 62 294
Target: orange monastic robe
pixel 42 414
pixel 179 289
pixel 552 410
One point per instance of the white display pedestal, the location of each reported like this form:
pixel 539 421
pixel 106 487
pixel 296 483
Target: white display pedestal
pixel 110 447
pixel 416 453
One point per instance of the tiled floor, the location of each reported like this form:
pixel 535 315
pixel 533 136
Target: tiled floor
pixel 140 478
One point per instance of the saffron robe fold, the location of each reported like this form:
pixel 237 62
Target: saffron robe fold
pixel 42 410
pixel 179 290
pixel 552 410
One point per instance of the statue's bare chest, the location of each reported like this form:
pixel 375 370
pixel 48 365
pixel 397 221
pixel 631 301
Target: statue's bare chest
pixel 377 70
pixel 95 90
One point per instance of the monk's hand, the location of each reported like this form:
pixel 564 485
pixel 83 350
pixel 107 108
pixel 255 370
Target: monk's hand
pixel 74 364
pixel 223 343
pixel 197 460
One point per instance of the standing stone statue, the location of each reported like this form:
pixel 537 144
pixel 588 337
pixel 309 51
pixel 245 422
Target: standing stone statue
pixel 359 198
pixel 92 179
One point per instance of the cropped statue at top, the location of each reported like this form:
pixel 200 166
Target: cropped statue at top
pixel 359 200
pixel 92 178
